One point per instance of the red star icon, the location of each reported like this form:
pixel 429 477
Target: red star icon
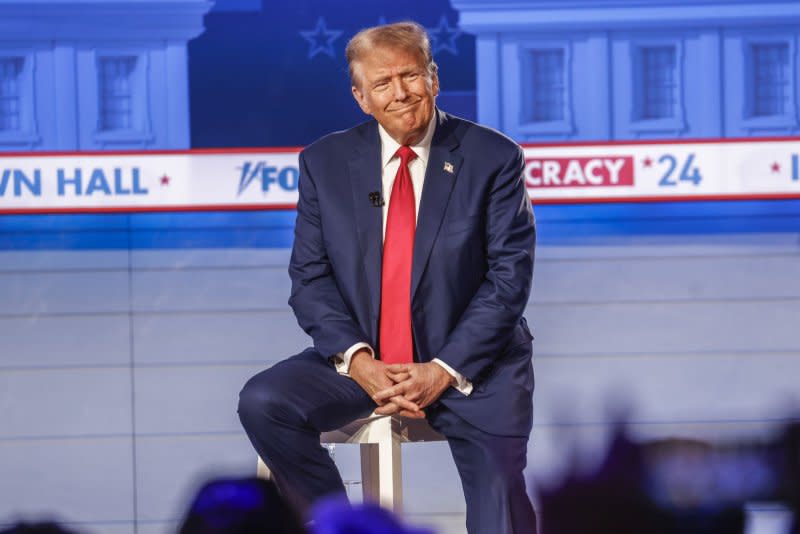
pixel 648 162
pixel 775 167
pixel 165 180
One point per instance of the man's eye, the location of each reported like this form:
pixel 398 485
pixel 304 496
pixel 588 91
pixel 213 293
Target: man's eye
pixel 412 76
pixel 381 86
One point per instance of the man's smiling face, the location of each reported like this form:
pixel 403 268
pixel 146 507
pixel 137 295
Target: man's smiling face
pixel 396 87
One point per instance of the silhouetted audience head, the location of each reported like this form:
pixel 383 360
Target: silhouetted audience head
pixel 335 515
pixel 626 495
pixel 240 506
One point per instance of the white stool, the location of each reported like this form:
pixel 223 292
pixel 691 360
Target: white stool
pixel 380 437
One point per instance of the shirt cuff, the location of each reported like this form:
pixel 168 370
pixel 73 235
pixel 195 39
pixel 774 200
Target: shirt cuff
pixel 342 359
pixel 463 385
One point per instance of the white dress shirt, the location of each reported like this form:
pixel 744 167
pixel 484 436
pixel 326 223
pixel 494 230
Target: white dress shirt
pixel 416 167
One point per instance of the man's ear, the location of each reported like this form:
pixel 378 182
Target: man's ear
pixel 435 84
pixel 362 102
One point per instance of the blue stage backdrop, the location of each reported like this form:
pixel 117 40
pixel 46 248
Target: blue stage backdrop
pixel 276 75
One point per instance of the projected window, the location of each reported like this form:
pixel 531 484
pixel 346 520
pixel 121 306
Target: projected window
pixel 770 77
pixel 10 71
pixel 547 89
pixel 116 93
pixel 658 82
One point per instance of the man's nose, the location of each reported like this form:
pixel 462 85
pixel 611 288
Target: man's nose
pixel 399 88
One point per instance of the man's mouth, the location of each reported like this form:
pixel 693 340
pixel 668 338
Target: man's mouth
pixel 404 108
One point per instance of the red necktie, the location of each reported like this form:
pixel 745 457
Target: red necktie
pixel 398 249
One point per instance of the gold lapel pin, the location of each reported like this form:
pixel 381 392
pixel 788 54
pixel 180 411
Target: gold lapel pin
pixel 448 167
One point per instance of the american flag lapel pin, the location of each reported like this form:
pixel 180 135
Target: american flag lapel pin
pixel 448 167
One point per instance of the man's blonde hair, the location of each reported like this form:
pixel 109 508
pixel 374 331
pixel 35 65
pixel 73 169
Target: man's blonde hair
pixel 408 36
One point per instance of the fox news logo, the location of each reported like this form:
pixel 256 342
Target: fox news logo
pixel 269 176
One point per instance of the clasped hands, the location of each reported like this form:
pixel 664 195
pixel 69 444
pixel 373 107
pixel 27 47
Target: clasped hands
pixel 404 389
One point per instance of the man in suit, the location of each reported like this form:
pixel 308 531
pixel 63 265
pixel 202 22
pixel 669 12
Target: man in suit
pixel 411 268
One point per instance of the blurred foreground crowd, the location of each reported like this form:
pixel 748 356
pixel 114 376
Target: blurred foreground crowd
pixel 670 486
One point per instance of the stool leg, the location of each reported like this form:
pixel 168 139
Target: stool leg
pixel 390 466
pixel 381 470
pixel 370 474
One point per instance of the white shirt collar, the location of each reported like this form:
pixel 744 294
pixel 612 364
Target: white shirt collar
pixel 422 149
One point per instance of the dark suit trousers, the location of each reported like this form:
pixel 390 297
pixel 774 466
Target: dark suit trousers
pixel 285 408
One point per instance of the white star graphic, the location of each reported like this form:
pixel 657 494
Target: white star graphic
pixel 320 39
pixel 443 37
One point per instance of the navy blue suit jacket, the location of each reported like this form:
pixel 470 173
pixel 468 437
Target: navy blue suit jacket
pixel 472 266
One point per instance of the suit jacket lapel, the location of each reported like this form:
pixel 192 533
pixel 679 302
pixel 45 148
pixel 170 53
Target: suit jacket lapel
pixel 365 177
pixel 443 166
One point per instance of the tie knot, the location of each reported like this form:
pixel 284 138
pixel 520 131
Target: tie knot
pixel 405 154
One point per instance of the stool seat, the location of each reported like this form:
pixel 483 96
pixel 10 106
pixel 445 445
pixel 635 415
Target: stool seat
pixel 380 437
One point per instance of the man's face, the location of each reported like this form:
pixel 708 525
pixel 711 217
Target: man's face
pixel 395 86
